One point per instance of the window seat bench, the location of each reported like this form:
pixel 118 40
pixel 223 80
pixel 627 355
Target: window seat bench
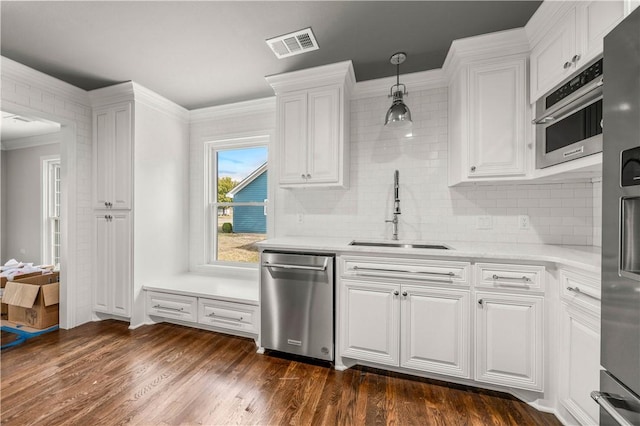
pixel 219 303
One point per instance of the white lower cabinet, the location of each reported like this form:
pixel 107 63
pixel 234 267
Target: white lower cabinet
pixel 434 330
pixel 112 260
pixel 411 326
pixel 371 328
pixel 579 363
pixel 509 340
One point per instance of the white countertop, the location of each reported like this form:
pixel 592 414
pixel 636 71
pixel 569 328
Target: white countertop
pixel 228 288
pixel 586 258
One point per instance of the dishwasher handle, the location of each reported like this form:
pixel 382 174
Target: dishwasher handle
pixel 292 266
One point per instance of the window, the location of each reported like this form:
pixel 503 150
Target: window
pixel 51 211
pixel 237 188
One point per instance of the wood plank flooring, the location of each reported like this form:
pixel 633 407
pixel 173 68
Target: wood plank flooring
pixel 104 374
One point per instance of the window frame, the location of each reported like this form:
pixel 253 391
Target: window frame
pixel 51 206
pixel 211 203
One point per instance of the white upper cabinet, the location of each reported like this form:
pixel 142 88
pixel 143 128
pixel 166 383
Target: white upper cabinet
pixel 567 35
pixel 488 108
pixel 313 125
pixel 113 156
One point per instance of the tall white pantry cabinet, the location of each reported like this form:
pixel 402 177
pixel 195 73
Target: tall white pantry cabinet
pixel 112 190
pixel 140 196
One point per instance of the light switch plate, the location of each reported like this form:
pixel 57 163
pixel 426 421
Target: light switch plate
pixel 523 222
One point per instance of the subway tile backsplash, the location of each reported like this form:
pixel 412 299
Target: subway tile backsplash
pixel 559 213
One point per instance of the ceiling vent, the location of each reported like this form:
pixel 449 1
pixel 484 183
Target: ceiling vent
pixel 293 44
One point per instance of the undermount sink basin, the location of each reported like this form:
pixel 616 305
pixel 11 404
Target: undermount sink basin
pixel 398 245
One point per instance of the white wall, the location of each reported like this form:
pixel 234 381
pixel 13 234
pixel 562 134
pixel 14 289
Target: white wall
pixel 431 211
pixel 161 199
pixel 22 201
pixel 29 92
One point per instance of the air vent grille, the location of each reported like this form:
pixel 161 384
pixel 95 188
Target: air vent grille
pixel 293 44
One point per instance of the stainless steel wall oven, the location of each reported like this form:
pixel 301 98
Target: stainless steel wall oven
pixel 569 118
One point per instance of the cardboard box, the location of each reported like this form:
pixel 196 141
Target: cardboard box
pixel 34 301
pixel 4 309
pixel 4 280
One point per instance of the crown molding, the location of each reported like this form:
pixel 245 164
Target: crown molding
pixel 545 19
pixel 338 73
pixel 423 80
pixel 238 109
pixel 45 82
pixel 131 91
pixel 486 46
pixel 30 141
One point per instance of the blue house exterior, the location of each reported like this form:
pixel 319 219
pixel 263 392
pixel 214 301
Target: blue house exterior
pixel 251 219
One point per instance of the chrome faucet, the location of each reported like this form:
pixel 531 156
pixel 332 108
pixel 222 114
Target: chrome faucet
pixel 396 204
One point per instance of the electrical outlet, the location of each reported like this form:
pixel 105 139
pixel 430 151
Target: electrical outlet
pixel 485 222
pixel 523 222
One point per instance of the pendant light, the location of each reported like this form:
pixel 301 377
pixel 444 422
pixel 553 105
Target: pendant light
pixel 398 116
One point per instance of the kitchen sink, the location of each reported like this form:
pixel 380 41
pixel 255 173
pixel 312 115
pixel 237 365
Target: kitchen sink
pixel 398 245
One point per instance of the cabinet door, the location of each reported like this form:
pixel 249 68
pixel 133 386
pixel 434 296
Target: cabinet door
pixel 122 157
pixel 435 330
pixel 121 286
pixel 497 113
pixel 549 56
pixel 580 363
pixel 596 19
pixel 292 137
pixel 102 260
pixel 113 157
pixel 112 257
pixel 370 329
pixel 509 340
pixel 324 135
pixel 102 157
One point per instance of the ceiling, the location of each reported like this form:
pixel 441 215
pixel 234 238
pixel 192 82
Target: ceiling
pixel 14 126
pixel 206 53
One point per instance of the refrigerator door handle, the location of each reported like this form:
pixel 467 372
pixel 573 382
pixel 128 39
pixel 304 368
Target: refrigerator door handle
pixel 602 398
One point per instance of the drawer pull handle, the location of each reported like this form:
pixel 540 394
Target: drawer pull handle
pixel 168 308
pixel 602 399
pixel 291 266
pixel 522 278
pixel 578 291
pixel 213 314
pixel 404 271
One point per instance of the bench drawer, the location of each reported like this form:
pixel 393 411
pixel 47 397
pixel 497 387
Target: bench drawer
pixel 172 306
pixel 228 315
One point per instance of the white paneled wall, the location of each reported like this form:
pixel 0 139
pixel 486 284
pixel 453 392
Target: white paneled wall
pixel 29 92
pixel 559 213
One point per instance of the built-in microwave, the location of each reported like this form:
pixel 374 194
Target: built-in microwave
pixel 569 118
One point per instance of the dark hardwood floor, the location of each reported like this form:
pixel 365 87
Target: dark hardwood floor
pixel 104 374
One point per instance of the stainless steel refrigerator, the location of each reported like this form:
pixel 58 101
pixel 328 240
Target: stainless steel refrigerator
pixel 619 393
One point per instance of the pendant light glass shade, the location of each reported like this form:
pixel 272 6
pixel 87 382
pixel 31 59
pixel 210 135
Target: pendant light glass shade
pixel 398 115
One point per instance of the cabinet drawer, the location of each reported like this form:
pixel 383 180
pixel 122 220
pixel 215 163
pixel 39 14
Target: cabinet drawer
pixel 232 316
pixel 581 289
pixel 172 306
pixel 522 277
pixel 433 271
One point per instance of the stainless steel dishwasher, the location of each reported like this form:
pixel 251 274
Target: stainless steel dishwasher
pixel 296 303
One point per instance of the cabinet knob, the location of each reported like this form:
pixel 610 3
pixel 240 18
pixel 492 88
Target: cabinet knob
pixel 308 176
pixel 303 176
pixel 473 168
pixel 575 58
pixel 481 302
pixel 106 204
pixel 106 217
pixel 404 293
pixel 566 65
pixel 396 292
